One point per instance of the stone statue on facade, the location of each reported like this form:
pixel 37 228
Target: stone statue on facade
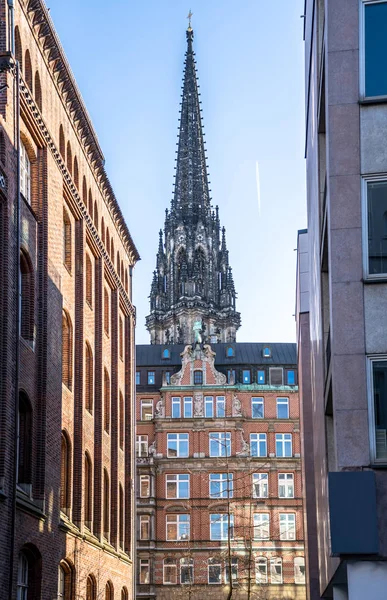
pixel 236 407
pixel 159 410
pixel 198 405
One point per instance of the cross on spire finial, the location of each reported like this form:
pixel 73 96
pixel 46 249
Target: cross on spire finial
pixel 189 17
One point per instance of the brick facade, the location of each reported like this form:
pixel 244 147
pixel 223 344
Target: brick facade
pixel 67 212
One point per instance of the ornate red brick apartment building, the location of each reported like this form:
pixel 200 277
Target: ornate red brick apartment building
pixel 66 333
pixel 219 500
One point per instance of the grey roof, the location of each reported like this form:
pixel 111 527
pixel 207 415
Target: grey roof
pixel 246 353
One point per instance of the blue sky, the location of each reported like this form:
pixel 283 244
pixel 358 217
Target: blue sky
pixel 127 57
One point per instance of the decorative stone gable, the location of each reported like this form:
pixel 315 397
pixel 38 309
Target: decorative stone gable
pixel 200 359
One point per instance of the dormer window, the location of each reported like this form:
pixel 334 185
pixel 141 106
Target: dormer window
pixel 198 377
pixel 230 352
pixel 166 353
pixel 266 352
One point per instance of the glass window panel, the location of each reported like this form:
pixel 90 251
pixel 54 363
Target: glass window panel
pixel 261 377
pixel 176 408
pixel 188 408
pixel 377 227
pixel 246 377
pixel 291 377
pixel 282 408
pixel 257 408
pixel 379 380
pixel 375 22
pixel 209 407
pixel 220 406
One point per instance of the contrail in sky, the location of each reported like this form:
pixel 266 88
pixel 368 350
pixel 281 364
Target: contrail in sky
pixel 258 187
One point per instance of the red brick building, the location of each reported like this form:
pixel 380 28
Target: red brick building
pixel 66 333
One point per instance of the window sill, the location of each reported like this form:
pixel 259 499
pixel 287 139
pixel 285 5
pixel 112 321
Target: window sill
pixel 27 504
pixel 373 100
pixel 369 279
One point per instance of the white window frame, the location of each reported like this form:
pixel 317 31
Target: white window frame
pixel 208 401
pixel 151 375
pixel 273 562
pixel 144 478
pixel 284 441
pixel 284 402
pixel 261 526
pixel 144 562
pixel 144 519
pixel 187 563
pixel 286 481
pixel 234 570
pixel 263 561
pixel 364 193
pixel 223 439
pixel 145 403
pixel 299 577
pixel 25 173
pixel 371 406
pixel 257 441
pixel 176 403
pixel 362 92
pixel 187 404
pixel 287 526
pixel 177 520
pixel 142 446
pixel 180 441
pixel 260 483
pixel 225 523
pixel 225 482
pixel 175 478
pixel 22 577
pixel 220 403
pixel 172 564
pixel 258 401
pixel 211 563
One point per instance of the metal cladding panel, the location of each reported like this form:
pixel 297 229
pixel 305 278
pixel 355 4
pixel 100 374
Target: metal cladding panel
pixel 353 518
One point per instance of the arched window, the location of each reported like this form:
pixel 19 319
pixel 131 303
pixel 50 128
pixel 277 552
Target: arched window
pixel 28 69
pixel 38 91
pixel 118 264
pixel 121 518
pixel 95 216
pixel 18 48
pixel 112 251
pixel 89 389
pixel 106 394
pixel 109 591
pixel 76 172
pixel 106 311
pixel 62 143
pixel 90 205
pixel 89 281
pixel 66 581
pixel 126 281
pixel 107 244
pixel 91 588
pixel 65 474
pixel 67 351
pixel 122 274
pixel 24 471
pixel 27 297
pixel 67 250
pixel 106 504
pixel 103 230
pixel 266 352
pixel 166 353
pixel 122 421
pixel 124 594
pixel 121 338
pixel 29 573
pixel 25 173
pixel 2 148
pixel 69 159
pixel 84 191
pixel 230 352
pixel 88 491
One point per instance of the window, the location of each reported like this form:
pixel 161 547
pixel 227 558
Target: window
pixel 378 408
pixel 67 350
pixel 261 377
pixel 166 353
pixel 176 412
pixel 67 241
pixel 65 474
pixel 260 485
pixel 208 407
pixel 177 486
pixel 178 527
pixel 24 441
pixel 121 338
pixel 221 485
pixel 246 376
pixel 26 297
pixel 261 526
pixel 177 445
pixel 276 376
pixel 231 376
pixel 138 377
pixel 69 159
pixel 287 526
pixel 291 377
pixel 146 410
pixel 230 352
pixel 76 176
pixel 121 429
pixel 151 377
pixel 283 444
pixel 169 571
pixel 25 174
pixel 219 527
pixel 374 23
pixel 106 504
pixel 234 570
pixel 374 211
pixel 299 570
pixel 282 408
pixel 109 591
pixel 121 517
pixel 266 352
pixel 106 311
pixel 22 577
pixel 89 379
pixel 144 571
pixel 61 583
pixel 186 571
pixel 276 570
pixel 167 377
pixel 89 281
pixel 106 402
pixel 285 485
pixel 214 571
pixel 257 408
pixel 142 445
pixel 144 486
pixel 188 408
pixel 198 377
pixel 261 570
pixel 258 444
pixel 90 588
pixel 88 491
pixel 144 527
pixel 220 443
pixel 220 406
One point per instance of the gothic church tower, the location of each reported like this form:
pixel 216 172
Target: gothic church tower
pixel 193 286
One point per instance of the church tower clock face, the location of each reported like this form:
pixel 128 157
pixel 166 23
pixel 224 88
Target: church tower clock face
pixel 192 282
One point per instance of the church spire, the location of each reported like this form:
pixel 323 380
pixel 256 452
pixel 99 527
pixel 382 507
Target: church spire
pixel 193 280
